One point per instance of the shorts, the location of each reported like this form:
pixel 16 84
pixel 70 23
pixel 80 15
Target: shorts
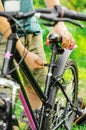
pixel 36 46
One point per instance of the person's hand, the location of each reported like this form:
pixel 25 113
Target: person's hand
pixel 33 61
pixel 67 39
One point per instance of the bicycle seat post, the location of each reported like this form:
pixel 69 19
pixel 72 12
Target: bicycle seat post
pixel 54 41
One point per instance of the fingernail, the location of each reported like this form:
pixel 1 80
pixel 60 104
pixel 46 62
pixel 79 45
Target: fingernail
pixel 71 46
pixel 47 43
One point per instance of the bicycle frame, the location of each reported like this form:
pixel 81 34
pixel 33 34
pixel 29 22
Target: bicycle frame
pixel 5 70
pixel 17 75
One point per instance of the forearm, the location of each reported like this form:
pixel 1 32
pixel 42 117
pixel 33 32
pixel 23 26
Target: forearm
pixel 4 24
pixel 22 50
pixel 20 47
pixel 5 27
pixel 51 3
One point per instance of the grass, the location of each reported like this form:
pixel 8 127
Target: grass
pixel 83 127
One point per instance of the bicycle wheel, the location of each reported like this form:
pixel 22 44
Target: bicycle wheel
pixel 62 114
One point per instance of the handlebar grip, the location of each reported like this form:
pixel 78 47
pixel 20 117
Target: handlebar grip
pixel 64 12
pixel 48 17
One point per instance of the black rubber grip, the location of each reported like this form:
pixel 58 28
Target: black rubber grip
pixel 64 12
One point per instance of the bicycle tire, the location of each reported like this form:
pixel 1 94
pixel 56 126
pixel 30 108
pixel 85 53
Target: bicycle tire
pixel 59 111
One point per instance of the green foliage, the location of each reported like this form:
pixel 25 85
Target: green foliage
pixel 82 127
pixel 39 3
pixel 79 54
pixel 74 4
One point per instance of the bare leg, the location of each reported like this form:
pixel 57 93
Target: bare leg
pixel 33 98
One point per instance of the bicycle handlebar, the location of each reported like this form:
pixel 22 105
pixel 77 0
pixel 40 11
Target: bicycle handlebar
pixel 66 13
pixel 19 15
pixel 61 12
pixel 58 13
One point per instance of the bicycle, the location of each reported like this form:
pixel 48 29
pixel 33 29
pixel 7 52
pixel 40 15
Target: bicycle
pixel 59 99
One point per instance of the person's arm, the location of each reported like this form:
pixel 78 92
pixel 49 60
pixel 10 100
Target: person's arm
pixel 4 24
pixel 60 27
